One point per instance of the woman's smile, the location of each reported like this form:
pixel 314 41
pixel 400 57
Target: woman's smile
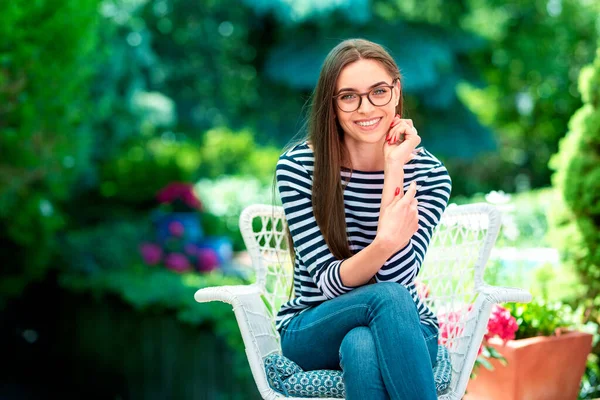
pixel 368 124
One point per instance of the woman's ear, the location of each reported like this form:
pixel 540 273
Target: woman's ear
pixel 398 90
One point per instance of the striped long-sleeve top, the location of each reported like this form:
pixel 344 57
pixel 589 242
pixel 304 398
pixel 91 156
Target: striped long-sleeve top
pixel 316 270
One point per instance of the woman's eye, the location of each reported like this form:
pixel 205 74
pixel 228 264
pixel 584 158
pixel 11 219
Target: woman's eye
pixel 380 91
pixel 349 97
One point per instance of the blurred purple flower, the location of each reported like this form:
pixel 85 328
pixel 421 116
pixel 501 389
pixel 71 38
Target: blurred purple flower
pixel 177 262
pixel 176 228
pixel 208 260
pixel 151 253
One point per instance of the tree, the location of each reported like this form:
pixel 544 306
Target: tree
pixel 530 68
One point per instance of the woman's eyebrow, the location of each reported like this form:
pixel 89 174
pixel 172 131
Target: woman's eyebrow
pixel 354 90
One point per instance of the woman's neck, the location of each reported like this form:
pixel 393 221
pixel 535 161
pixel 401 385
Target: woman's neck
pixel 364 156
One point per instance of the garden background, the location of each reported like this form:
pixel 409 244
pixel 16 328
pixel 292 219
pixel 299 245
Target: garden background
pixel 103 103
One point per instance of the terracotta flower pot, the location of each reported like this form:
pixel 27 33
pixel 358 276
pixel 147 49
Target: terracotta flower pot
pixel 539 368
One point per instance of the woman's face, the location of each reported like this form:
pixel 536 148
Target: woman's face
pixel 369 123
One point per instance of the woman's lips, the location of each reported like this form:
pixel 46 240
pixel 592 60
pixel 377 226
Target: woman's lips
pixel 369 127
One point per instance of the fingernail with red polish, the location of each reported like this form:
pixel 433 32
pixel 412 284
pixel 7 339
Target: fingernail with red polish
pixel 397 192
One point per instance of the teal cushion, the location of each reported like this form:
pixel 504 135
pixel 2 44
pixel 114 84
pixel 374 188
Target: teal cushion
pixel 442 372
pixel 286 377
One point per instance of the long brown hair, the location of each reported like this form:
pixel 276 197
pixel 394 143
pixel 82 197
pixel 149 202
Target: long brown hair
pixel 326 137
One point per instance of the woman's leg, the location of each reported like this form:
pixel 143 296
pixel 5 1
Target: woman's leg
pixel 313 338
pixel 358 359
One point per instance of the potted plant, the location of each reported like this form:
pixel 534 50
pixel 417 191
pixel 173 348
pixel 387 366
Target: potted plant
pixel 545 360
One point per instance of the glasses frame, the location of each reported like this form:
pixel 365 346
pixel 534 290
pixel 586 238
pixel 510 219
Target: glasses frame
pixel 361 95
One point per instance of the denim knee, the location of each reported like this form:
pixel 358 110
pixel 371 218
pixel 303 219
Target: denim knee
pixel 358 345
pixel 392 292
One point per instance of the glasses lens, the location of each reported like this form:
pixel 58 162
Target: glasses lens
pixel 348 101
pixel 380 96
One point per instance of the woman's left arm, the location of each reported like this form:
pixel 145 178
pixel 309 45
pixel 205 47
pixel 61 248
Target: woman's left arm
pixel 433 194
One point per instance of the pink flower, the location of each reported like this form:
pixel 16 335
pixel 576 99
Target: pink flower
pixel 171 192
pixel 189 198
pixel 452 324
pixel 208 260
pixel 501 324
pixel 176 228
pixel 151 253
pixel 179 192
pixel 177 262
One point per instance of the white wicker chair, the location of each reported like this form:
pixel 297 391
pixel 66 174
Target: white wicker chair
pixel 452 272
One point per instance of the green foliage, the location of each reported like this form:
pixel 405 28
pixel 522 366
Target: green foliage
pixel 575 219
pixel 536 49
pixel 300 10
pixel 135 175
pixel 143 168
pixel 106 246
pixel 46 50
pixel 236 153
pixel 538 318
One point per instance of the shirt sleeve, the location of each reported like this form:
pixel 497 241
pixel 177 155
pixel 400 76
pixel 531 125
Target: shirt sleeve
pixel 433 194
pixel 295 189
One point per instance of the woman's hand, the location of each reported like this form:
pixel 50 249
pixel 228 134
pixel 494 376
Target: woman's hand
pixel 399 221
pixel 401 141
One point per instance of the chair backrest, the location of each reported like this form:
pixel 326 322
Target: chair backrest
pixel 452 270
pixel 264 230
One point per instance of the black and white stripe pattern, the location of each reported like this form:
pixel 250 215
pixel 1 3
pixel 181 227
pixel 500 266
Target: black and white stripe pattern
pixel 316 270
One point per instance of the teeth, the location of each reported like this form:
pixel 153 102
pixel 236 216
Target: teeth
pixel 369 123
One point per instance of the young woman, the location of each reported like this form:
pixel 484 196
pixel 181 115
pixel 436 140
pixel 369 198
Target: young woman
pixel 353 224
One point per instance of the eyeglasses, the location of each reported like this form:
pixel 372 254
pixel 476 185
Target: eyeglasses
pixel 378 96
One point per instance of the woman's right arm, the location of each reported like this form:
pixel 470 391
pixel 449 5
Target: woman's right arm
pixel 397 223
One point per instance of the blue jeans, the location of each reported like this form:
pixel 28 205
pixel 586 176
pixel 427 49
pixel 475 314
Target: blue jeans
pixel 375 335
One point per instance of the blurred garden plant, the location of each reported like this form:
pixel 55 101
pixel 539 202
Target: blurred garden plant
pixel 180 244
pixel 44 129
pixel 501 324
pixel 179 236
pixel 575 218
pixel 179 197
pixel 513 322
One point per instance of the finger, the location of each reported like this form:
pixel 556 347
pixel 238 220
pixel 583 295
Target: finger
pixel 410 193
pixel 398 132
pixel 398 195
pixel 409 122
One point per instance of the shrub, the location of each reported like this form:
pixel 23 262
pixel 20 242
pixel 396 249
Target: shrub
pixel 576 219
pixel 46 51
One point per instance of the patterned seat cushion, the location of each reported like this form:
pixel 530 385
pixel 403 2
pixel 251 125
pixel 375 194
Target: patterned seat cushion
pixel 286 377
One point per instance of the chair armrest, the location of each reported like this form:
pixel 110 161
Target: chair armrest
pixel 226 294
pixel 499 294
pixel 489 295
